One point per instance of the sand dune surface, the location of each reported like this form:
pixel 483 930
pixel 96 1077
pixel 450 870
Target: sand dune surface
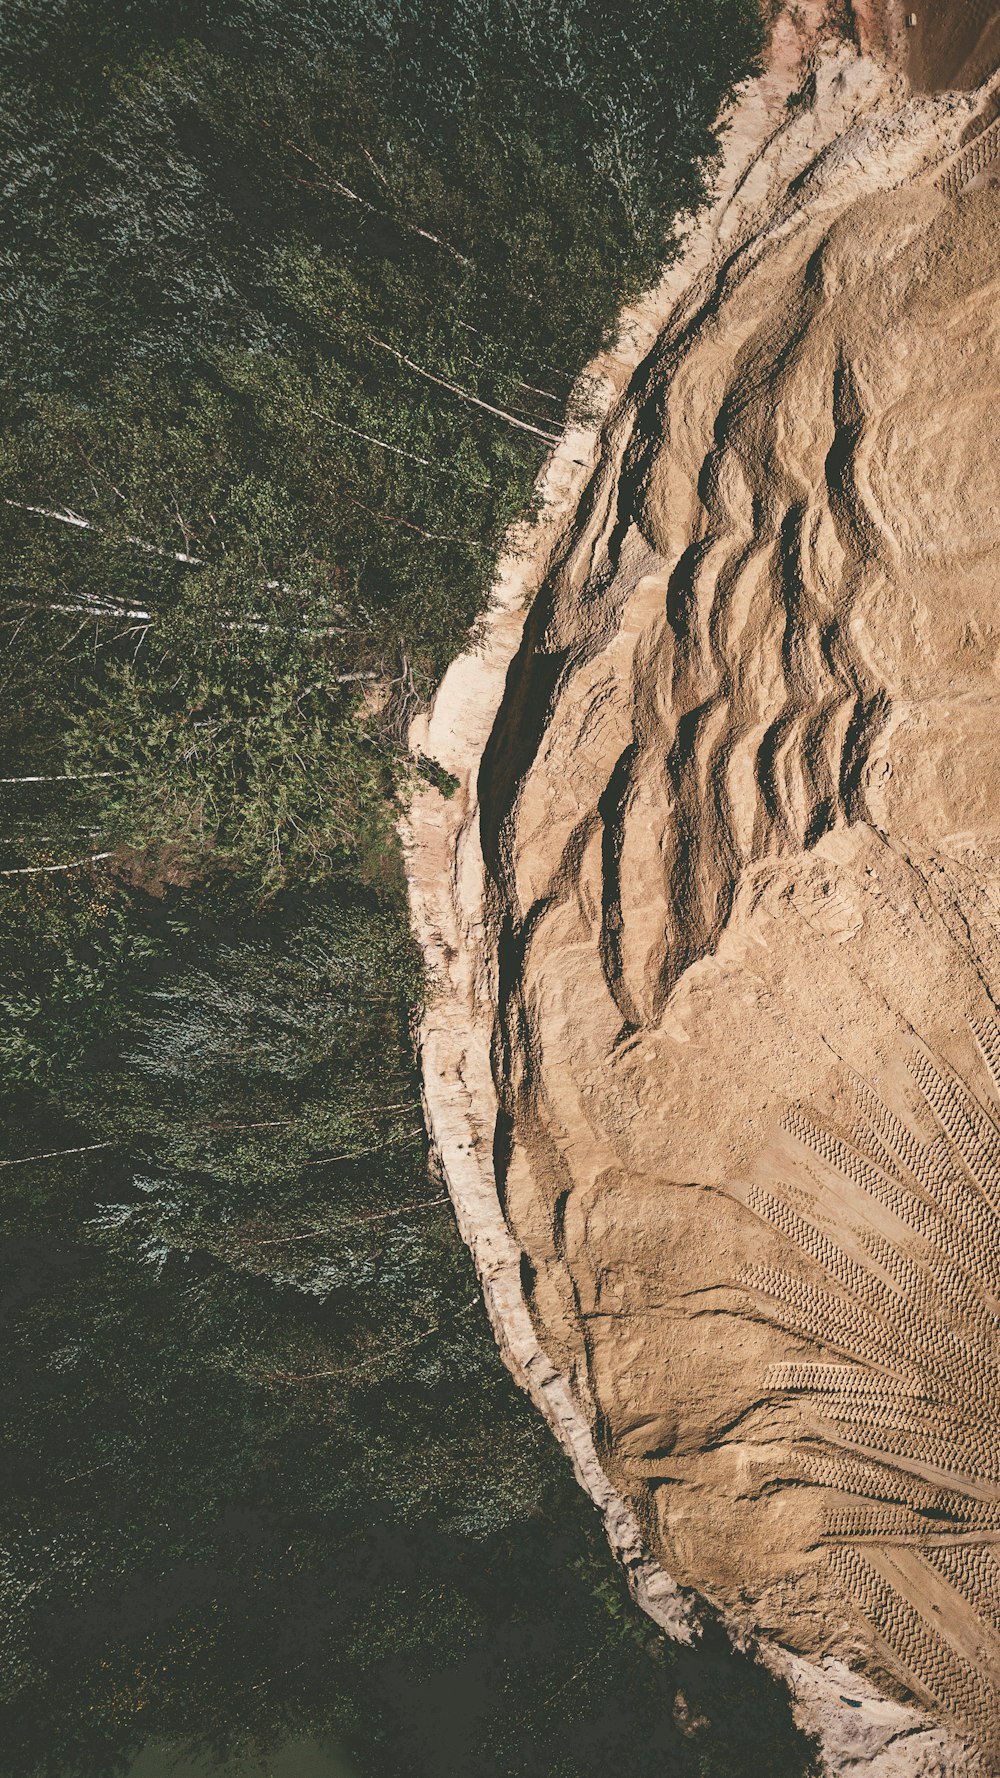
pixel 734 831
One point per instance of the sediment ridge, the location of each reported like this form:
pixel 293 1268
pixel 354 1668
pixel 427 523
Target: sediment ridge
pixel 711 1063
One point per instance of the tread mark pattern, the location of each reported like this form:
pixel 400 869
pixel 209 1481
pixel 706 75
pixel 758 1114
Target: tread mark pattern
pixel 895 1282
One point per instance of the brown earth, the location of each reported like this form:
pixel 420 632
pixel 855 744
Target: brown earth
pixel 742 815
pixel 955 43
pixel 714 1069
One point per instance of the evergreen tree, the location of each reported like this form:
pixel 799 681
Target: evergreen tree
pixel 297 294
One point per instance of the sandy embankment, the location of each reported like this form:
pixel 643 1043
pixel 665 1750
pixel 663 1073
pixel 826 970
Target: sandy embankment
pixel 700 778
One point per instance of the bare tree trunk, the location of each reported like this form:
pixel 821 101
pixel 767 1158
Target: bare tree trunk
pixel 88 605
pixel 388 518
pixel 38 870
pixel 397 450
pixel 65 516
pixel 466 395
pixel 53 1154
pixel 332 183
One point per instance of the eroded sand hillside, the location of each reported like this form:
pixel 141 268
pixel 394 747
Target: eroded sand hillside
pixel 719 920
pixel 750 873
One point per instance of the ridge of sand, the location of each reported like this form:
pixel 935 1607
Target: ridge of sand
pixel 577 678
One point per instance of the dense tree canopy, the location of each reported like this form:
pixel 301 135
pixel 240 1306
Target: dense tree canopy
pixel 296 297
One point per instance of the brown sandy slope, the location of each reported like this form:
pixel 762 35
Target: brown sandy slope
pixel 750 871
pixel 715 1069
pixel 955 43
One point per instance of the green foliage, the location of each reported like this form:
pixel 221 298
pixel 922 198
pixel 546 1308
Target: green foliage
pixel 266 268
pixel 435 774
pixel 296 297
pixel 268 1096
pixel 230 753
pixel 266 1474
pixel 67 962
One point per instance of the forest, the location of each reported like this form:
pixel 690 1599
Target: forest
pixel 298 293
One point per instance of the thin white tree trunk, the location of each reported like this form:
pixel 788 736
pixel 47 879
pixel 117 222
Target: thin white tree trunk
pixel 38 870
pixel 389 518
pixel 348 1221
pixel 87 606
pixel 397 450
pixel 90 606
pixel 52 1154
pixel 61 778
pixel 66 516
pixel 546 392
pixel 400 221
pixel 334 184
pixel 466 395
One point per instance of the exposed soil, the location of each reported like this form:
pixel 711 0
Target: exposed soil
pixel 954 43
pixel 715 1071
pixel 750 859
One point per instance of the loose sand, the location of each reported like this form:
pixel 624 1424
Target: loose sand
pixel 715 1066
pixel 752 861
pixel 955 43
